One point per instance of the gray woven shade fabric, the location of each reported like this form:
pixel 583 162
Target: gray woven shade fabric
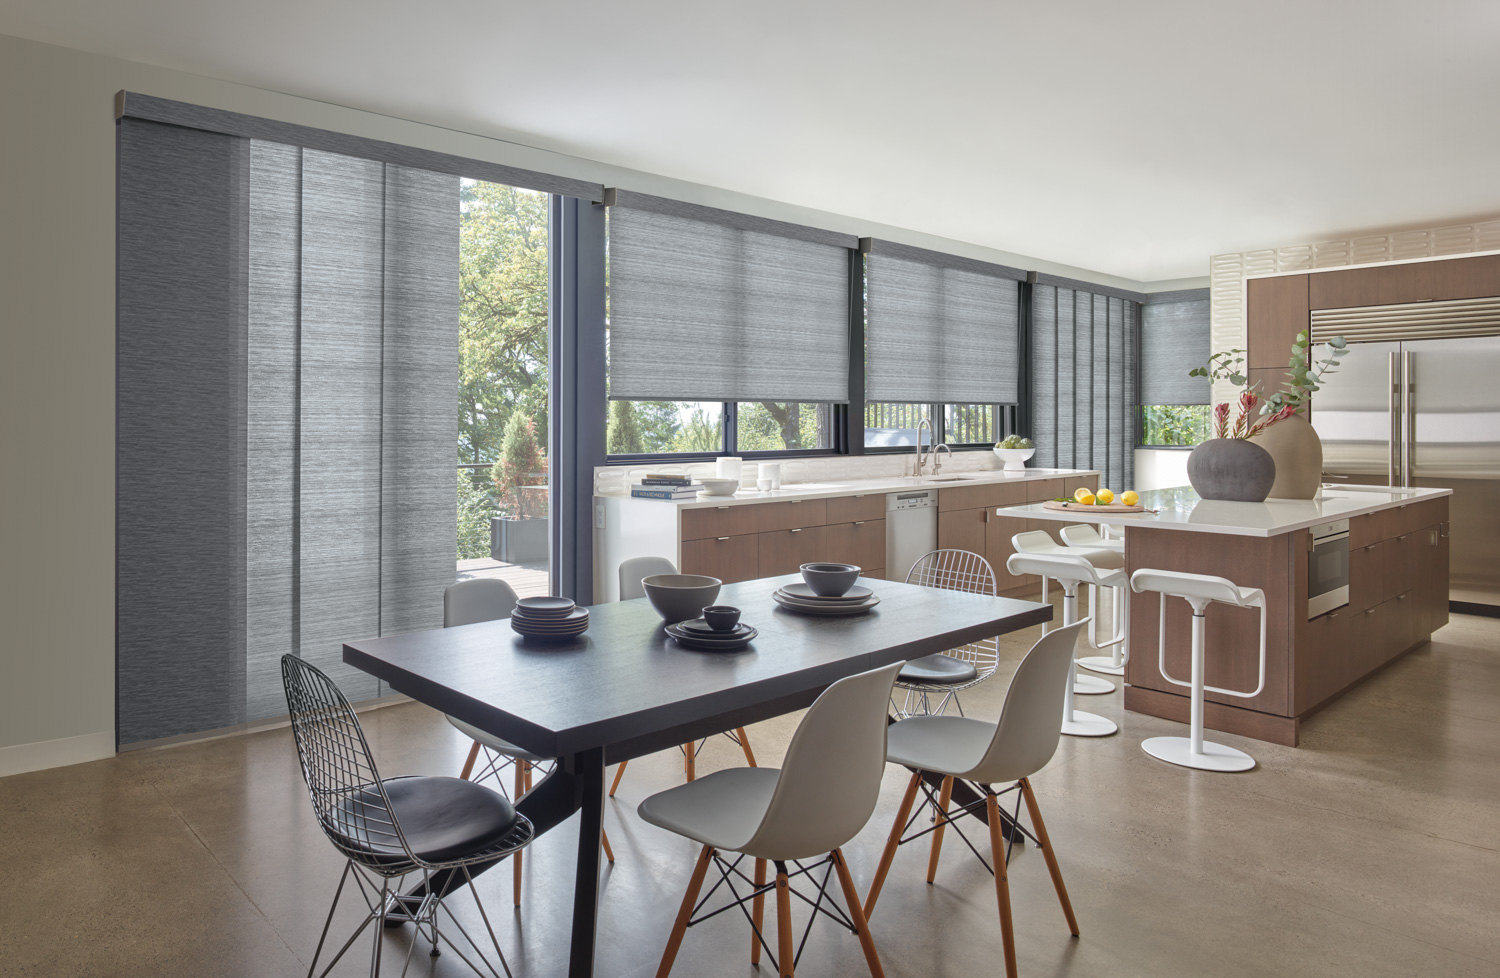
pixel 940 328
pixel 706 305
pixel 1083 363
pixel 288 336
pixel 1174 340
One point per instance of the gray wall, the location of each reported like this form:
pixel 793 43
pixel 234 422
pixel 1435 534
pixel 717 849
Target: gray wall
pixel 57 237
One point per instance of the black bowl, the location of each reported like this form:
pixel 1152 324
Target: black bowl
pixel 721 617
pixel 830 580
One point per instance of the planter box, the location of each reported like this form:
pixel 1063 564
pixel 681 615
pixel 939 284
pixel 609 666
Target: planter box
pixel 518 541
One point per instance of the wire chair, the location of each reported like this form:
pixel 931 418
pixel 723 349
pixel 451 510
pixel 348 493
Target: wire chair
pixel 951 570
pixel 354 808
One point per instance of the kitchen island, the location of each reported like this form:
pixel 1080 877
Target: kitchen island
pixel 1397 577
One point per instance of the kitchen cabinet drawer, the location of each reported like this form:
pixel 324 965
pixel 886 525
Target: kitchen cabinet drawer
pixel 730 559
pixel 785 551
pixel 1365 530
pixel 793 513
pixel 1044 489
pixel 853 509
pixel 1324 657
pixel 720 521
pixel 984 496
pixel 1405 519
pixel 1074 483
pixel 861 543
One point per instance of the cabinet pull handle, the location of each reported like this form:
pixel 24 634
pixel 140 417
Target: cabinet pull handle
pixel 721 538
pixel 797 530
pixel 723 507
pixel 859 522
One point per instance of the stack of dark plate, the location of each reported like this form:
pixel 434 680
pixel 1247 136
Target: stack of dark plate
pixel 697 634
pixel 802 599
pixel 549 619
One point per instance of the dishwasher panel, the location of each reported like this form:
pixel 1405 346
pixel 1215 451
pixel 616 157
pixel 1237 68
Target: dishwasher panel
pixel 910 530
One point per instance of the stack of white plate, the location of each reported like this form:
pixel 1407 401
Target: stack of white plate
pixel 696 634
pixel 799 597
pixel 555 619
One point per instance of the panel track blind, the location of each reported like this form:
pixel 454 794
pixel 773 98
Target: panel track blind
pixel 1083 358
pixel 288 374
pixel 708 305
pixel 1174 340
pixel 940 328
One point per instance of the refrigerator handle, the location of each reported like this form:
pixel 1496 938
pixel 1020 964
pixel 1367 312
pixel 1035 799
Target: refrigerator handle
pixel 1393 443
pixel 1409 415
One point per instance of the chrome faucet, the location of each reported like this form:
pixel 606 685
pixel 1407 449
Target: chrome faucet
pixel 931 453
pixel 937 465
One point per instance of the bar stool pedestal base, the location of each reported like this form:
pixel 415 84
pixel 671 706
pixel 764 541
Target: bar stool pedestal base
pixel 1092 685
pixel 1080 724
pixel 1102 663
pixel 1215 757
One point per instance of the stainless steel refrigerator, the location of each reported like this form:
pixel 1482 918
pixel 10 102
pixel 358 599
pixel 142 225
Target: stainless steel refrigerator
pixel 1423 412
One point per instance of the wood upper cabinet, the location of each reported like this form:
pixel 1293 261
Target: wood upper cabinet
pixel 1422 281
pixel 729 558
pixel 785 551
pixel 1276 310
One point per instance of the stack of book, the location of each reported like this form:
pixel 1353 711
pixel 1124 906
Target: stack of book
pixel 666 487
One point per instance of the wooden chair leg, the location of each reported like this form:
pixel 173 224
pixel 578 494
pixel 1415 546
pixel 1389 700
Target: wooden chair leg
pixel 758 912
pixel 1052 867
pixel 784 935
pixel 527 766
pixel 619 773
pixel 690 761
pixel 891 843
pixel 685 912
pixel 469 764
pixel 1002 883
pixel 608 852
pixel 944 797
pixel 745 745
pixel 851 898
pixel 516 859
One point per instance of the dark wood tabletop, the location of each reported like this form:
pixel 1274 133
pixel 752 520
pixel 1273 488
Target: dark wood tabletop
pixel 625 680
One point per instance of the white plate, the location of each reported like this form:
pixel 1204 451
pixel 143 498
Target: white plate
pixel 799 590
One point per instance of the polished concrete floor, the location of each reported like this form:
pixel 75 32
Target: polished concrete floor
pixel 1371 851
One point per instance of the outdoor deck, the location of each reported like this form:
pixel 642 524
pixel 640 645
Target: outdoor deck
pixel 526 580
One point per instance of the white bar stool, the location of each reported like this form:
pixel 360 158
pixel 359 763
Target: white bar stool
pixel 1083 536
pixel 1199 590
pixel 1040 542
pixel 1067 570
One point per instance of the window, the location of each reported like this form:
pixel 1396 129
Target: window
pixel 972 424
pixel 665 427
pixel 891 425
pixel 778 426
pixel 1173 425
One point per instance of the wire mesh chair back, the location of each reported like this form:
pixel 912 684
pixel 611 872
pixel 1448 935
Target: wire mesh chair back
pixel 956 570
pixel 345 787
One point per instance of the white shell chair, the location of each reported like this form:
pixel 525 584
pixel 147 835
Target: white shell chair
pixel 468 603
pixel 984 754
pixel 820 798
pixel 1084 537
pixel 946 674
pixel 632 573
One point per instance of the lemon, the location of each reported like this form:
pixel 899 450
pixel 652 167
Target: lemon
pixel 1086 497
pixel 1080 492
pixel 1129 498
pixel 1105 497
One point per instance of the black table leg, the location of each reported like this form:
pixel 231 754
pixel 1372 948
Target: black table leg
pixel 588 773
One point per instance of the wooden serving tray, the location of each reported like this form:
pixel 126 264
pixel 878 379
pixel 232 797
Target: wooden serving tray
pixel 1094 508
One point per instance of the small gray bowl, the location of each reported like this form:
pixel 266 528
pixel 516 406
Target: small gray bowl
pixel 721 617
pixel 830 580
pixel 681 597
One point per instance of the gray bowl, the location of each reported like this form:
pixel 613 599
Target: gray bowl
pixel 830 580
pixel 681 597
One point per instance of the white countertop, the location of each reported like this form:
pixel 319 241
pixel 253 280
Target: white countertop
pixel 1181 509
pixel 860 487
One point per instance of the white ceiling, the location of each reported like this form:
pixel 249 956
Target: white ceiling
pixel 1134 139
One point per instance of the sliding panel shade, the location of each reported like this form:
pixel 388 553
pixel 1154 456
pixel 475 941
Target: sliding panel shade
pixel 940 332
pixel 1083 381
pixel 706 311
pixel 1174 340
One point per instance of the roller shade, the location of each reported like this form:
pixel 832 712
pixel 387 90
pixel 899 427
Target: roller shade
pixel 1083 380
pixel 1174 340
pixel 940 328
pixel 710 305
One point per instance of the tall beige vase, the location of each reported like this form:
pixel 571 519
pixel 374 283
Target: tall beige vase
pixel 1298 451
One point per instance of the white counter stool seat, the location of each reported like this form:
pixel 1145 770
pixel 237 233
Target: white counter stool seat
pixel 984 754
pixel 1068 570
pixel 946 674
pixel 632 572
pixel 1041 542
pixel 1199 591
pixel 821 797
pixel 1083 536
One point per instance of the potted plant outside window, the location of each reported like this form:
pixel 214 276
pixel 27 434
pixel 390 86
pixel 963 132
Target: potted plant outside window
pixel 519 534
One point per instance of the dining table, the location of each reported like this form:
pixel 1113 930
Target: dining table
pixel 624 688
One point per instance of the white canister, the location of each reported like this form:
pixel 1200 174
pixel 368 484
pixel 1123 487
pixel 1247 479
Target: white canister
pixel 728 467
pixel 771 471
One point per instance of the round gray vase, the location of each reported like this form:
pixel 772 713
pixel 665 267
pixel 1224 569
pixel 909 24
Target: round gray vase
pixel 1232 469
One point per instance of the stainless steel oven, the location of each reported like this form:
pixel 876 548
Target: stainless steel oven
pixel 1328 568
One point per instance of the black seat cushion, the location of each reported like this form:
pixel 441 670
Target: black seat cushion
pixel 442 818
pixel 938 668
